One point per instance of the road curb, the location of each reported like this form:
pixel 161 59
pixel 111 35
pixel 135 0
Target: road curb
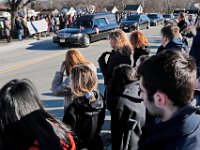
pixel 24 41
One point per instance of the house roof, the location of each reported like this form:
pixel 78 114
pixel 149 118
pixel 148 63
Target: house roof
pixel 131 7
pixel 109 8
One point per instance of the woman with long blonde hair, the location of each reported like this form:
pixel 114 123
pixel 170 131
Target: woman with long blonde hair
pixel 87 111
pixel 122 53
pixel 62 87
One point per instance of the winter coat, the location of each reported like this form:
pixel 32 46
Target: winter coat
pixel 86 119
pixel 127 106
pixel 173 45
pixel 181 132
pixel 182 25
pixel 62 88
pixel 115 59
pixel 195 51
pixel 143 50
pixel 7 28
pixel 36 145
pixel 18 24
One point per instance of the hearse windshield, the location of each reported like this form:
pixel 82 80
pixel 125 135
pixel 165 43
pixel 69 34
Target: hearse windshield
pixel 133 17
pixel 82 23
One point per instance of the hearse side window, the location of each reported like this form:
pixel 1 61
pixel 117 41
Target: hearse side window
pixel 96 23
pixel 100 22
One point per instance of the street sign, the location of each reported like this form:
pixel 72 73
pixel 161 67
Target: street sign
pixel 197 5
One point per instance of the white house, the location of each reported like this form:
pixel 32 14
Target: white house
pixel 133 9
pixel 112 9
pixel 68 10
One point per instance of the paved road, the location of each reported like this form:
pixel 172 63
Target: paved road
pixel 38 61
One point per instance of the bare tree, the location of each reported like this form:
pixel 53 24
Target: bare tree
pixel 13 6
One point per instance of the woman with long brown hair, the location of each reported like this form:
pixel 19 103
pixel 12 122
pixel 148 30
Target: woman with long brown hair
pixel 122 53
pixel 62 87
pixel 140 45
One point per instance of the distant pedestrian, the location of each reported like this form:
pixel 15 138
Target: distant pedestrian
pixel 19 27
pixel 70 20
pixel 25 27
pixel 167 83
pixel 87 111
pixel 182 24
pixel 7 28
pixel 25 125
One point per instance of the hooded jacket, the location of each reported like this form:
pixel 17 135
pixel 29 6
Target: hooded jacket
pixel 173 45
pixel 144 50
pixel 181 132
pixel 127 106
pixel 86 119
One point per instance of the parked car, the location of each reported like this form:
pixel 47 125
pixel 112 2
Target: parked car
pixel 135 22
pixel 176 15
pixel 155 19
pixel 86 29
pixel 168 17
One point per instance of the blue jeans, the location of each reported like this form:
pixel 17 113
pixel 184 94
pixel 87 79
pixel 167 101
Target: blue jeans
pixel 20 32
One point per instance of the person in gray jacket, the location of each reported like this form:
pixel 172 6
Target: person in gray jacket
pixel 7 28
pixel 61 83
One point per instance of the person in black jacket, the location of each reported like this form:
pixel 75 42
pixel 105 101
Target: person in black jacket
pixel 140 45
pixel 167 83
pixel 127 108
pixel 19 27
pixel 195 51
pixel 122 53
pixel 87 111
pixel 182 24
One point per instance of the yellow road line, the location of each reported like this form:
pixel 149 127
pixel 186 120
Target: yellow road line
pixel 19 66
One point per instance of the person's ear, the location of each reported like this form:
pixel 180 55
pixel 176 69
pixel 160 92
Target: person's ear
pixel 160 99
pixel 165 39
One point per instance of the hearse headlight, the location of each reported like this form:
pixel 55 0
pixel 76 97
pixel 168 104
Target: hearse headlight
pixel 76 35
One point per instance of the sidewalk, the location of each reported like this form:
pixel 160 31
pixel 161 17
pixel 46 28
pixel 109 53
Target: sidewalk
pixel 3 42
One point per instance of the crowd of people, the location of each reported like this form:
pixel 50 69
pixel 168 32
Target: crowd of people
pixel 55 23
pixel 153 100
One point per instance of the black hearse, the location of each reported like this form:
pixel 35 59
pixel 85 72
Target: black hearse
pixel 86 29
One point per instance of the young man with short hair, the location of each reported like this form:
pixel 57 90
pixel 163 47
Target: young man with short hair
pixel 171 39
pixel 167 83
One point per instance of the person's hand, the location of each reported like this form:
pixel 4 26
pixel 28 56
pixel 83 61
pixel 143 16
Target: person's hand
pixel 62 68
pixel 103 55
